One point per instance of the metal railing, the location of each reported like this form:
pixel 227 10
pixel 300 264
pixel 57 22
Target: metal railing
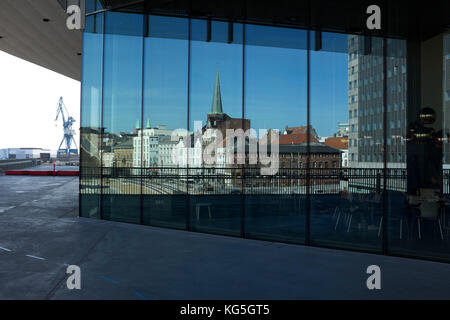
pixel 225 181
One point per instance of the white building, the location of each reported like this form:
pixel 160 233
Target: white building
pixel 108 159
pixel 165 152
pixel 150 144
pixel 342 130
pixel 25 153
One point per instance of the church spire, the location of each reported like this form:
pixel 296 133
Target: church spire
pixel 216 106
pixel 148 123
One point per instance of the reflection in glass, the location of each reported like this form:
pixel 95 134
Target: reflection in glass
pixel 346 100
pixel 418 222
pixel 164 184
pixel 91 109
pixel 155 88
pixel 122 102
pixel 215 107
pixel 275 99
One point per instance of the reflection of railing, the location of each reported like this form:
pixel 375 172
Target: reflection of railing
pixel 176 180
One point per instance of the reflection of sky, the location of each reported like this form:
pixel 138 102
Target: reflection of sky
pixel 275 93
pixel 275 84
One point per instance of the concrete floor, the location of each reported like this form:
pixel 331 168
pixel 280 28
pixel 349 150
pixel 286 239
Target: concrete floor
pixel 40 233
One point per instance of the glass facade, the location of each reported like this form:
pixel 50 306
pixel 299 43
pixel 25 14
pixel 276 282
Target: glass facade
pixel 182 119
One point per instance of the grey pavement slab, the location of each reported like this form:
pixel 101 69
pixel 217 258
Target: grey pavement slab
pixel 40 234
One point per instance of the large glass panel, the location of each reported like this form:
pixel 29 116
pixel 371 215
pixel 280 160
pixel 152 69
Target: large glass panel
pixel 346 167
pixel 122 103
pixel 164 122
pixel 417 147
pixel 215 107
pixel 276 104
pixel 399 210
pixel 91 106
pixel 446 141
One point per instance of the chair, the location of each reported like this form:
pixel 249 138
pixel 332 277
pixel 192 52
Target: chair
pixel 430 210
pixel 346 207
pixel 198 206
pixel 397 203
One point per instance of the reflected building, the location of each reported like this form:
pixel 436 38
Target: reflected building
pixel 146 144
pixel 340 143
pixel 219 121
pixel 157 65
pixel 123 154
pixel 365 102
pixel 90 146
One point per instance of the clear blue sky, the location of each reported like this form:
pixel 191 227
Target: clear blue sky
pixel 275 82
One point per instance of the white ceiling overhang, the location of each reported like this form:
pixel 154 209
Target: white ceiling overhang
pixel 49 44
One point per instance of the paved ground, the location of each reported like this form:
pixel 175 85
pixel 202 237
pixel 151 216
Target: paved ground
pixel 40 233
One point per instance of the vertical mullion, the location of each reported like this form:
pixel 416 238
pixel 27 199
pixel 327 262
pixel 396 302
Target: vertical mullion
pixel 188 215
pixel 144 33
pixel 385 202
pixel 243 121
pixel 102 124
pixel 384 237
pixel 81 113
pixel 308 140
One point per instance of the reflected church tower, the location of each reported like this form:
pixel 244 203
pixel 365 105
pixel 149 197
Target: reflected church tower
pixel 217 119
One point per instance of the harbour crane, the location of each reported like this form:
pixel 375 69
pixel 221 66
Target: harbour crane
pixel 68 131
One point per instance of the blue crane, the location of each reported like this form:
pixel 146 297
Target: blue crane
pixel 68 131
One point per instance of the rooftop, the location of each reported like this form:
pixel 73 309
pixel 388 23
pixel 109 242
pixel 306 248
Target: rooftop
pixel 337 142
pixel 295 138
pixel 302 148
